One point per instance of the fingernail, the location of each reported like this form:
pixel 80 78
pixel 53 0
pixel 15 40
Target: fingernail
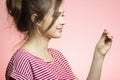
pixel 105 30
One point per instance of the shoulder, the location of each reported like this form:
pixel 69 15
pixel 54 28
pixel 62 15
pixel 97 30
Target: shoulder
pixel 21 59
pixel 19 66
pixel 21 56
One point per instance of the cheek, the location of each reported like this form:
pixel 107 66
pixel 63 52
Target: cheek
pixel 53 27
pixel 57 23
pixel 46 25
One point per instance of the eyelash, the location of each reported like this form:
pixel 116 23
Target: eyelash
pixel 62 15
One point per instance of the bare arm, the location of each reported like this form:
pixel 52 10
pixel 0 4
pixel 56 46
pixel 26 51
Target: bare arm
pixel 101 49
pixel 96 67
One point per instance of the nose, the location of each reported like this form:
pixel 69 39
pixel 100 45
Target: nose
pixel 62 21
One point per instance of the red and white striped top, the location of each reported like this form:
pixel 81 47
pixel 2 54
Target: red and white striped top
pixel 25 66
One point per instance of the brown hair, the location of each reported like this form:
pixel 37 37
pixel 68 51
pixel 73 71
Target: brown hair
pixel 22 10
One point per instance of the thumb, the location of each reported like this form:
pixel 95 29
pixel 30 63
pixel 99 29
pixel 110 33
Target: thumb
pixel 103 36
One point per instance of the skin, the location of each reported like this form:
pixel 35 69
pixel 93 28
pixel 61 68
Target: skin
pixel 102 47
pixel 37 44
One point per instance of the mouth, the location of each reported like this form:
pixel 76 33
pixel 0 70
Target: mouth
pixel 60 29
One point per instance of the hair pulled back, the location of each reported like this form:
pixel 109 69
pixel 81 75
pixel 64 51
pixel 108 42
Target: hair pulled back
pixel 22 10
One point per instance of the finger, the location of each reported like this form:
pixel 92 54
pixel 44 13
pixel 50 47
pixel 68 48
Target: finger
pixel 109 36
pixel 108 39
pixel 104 34
pixel 109 43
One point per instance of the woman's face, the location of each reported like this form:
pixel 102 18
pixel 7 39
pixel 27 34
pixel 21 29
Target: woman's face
pixel 56 30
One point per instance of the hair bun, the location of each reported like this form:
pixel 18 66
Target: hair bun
pixel 14 8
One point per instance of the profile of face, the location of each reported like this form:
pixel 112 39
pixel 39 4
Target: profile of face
pixel 37 17
pixel 56 29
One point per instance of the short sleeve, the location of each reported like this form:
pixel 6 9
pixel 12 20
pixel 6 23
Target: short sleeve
pixel 19 68
pixel 18 76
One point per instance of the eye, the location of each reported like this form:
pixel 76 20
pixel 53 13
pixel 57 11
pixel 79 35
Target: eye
pixel 61 14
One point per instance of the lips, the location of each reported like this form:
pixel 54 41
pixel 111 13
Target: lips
pixel 60 29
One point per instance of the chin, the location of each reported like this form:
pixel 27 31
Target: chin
pixel 56 36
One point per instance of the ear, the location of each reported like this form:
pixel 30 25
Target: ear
pixel 33 18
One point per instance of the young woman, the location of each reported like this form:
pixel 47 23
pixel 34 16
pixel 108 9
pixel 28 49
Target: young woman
pixel 42 20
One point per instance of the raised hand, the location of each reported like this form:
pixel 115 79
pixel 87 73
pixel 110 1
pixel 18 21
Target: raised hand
pixel 104 44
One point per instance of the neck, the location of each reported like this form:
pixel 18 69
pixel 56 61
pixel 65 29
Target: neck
pixel 36 44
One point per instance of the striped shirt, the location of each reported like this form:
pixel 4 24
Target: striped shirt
pixel 25 66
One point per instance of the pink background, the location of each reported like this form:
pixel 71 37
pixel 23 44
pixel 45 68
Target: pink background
pixel 85 21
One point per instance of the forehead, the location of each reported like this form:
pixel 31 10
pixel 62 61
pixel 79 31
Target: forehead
pixel 61 8
pixel 51 11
